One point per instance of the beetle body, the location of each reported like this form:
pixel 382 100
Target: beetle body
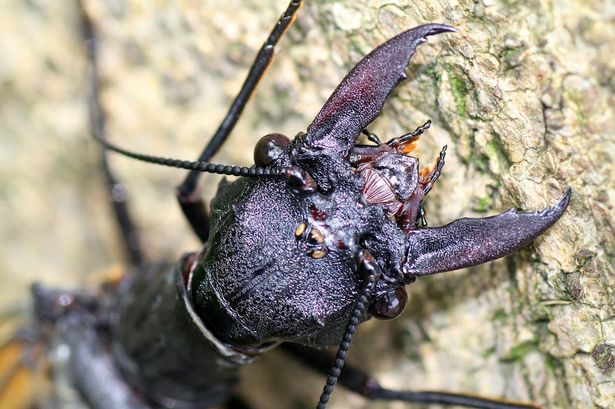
pixel 297 249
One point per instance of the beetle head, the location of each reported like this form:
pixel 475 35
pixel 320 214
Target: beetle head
pixel 285 257
pixel 280 262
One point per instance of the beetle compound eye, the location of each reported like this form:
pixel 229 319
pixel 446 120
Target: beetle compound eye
pixel 269 148
pixel 389 305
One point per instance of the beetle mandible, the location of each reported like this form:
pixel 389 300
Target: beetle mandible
pixel 296 250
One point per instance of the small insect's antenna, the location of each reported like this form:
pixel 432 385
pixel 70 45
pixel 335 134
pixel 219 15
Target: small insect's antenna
pixel 97 121
pixel 372 271
pixel 411 135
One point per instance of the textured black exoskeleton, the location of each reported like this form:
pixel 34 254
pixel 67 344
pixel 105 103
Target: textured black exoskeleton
pixel 320 235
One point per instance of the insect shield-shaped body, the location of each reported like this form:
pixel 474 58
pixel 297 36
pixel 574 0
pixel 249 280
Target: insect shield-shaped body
pixel 286 259
pixel 300 258
pixel 281 262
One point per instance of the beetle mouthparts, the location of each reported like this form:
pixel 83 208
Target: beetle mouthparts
pixel 392 177
pixel 467 242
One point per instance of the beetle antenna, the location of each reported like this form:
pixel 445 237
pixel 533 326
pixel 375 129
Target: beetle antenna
pixel 200 166
pixel 371 270
pixel 97 125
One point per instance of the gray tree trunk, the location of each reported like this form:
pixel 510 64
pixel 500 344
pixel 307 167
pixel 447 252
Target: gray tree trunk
pixel 523 96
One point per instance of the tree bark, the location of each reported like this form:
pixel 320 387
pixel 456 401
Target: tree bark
pixel 523 96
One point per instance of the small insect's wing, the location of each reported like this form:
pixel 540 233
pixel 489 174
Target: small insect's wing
pixel 359 98
pixel 468 242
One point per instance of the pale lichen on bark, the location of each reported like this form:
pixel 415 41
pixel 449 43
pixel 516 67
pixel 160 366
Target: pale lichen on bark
pixel 523 95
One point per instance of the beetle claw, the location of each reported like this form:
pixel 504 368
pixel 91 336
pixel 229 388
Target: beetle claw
pixel 467 242
pixel 359 98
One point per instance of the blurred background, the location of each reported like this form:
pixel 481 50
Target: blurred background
pixel 523 96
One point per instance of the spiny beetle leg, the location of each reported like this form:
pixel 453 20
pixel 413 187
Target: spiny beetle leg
pixel 118 195
pixel 427 183
pixel 237 402
pixel 405 142
pixel 467 242
pixel 372 137
pixel 191 203
pixel 359 382
pixel 117 191
pixel 435 174
pixel 400 140
pixel 195 211
pixel 421 216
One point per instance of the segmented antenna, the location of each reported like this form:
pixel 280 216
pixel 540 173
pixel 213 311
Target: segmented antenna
pixel 355 318
pixel 200 166
pixel 411 135
pixel 97 120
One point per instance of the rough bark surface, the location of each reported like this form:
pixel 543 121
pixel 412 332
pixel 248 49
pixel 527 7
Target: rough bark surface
pixel 523 95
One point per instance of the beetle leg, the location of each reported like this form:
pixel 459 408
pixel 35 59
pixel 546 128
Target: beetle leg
pixel 130 234
pixel 372 137
pixel 467 242
pixel 407 142
pixel 421 216
pixel 359 382
pixel 90 362
pixel 236 402
pixel 428 177
pixel 117 191
pixel 190 201
pixel 404 143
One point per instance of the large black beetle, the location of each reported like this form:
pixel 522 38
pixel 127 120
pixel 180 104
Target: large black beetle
pixel 296 249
